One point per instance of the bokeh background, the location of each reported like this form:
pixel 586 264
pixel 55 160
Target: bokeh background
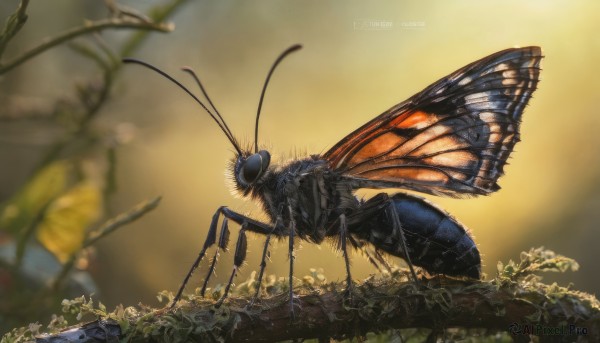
pixel 359 59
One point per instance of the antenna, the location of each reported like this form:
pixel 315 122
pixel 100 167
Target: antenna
pixel 262 94
pixel 197 79
pixel 219 121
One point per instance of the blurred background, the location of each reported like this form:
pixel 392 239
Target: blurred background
pixel 358 60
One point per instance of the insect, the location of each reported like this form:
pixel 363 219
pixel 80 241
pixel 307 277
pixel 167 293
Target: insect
pixel 451 139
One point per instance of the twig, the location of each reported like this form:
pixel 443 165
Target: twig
pixel 13 25
pixel 95 26
pixel 107 228
pixel 120 220
pixel 158 14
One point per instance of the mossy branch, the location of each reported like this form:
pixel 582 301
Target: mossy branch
pixel 517 303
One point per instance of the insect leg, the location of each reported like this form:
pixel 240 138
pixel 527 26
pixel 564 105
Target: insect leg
pixel 249 223
pixel 291 257
pixel 375 257
pixel 223 242
pixel 343 234
pixel 263 261
pixel 382 260
pixel 263 265
pixel 238 259
pixel 398 228
pixel 210 240
pixel 359 246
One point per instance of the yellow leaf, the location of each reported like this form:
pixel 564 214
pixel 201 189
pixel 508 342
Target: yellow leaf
pixel 27 203
pixel 67 218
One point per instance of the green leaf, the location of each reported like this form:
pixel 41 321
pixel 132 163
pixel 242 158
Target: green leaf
pixel 63 228
pixel 25 206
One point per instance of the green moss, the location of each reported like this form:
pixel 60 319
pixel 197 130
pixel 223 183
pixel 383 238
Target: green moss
pixel 380 297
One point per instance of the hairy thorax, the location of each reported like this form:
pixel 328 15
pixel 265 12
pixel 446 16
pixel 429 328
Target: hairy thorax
pixel 310 191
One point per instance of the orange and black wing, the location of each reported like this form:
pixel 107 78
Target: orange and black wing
pixel 453 138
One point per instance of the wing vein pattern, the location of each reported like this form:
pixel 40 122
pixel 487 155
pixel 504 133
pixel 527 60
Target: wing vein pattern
pixel 453 138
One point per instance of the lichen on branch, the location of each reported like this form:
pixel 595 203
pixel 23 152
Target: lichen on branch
pixel 510 304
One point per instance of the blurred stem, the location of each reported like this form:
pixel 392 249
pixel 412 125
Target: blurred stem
pixel 92 96
pixel 107 228
pixel 115 23
pixel 111 172
pixel 91 110
pixel 13 25
pixel 122 219
pixel 158 14
pixel 26 235
pixel 89 52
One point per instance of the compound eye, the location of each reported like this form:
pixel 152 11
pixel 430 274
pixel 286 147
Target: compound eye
pixel 266 159
pixel 252 168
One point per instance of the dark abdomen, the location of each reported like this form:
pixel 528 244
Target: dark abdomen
pixel 435 241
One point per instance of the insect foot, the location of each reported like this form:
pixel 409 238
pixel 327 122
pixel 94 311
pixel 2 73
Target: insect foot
pixel 349 296
pixel 294 302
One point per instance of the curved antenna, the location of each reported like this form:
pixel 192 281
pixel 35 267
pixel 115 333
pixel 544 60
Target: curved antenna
pixel 262 94
pixel 170 78
pixel 197 79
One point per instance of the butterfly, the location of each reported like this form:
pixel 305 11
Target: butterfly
pixel 451 139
